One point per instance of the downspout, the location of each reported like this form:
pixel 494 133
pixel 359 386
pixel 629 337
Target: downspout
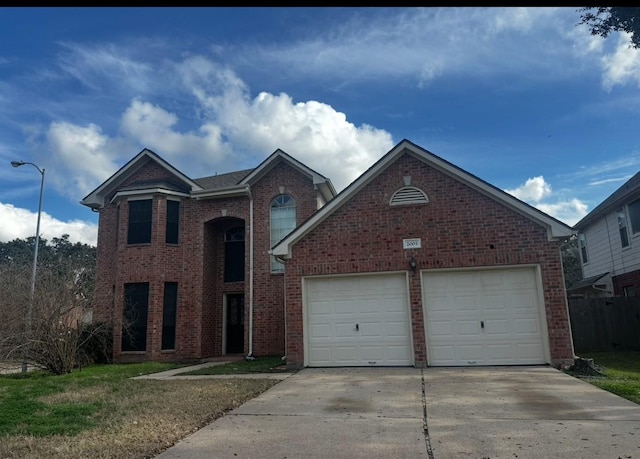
pixel 250 354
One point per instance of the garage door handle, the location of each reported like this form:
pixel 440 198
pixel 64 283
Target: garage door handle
pixel 357 327
pixel 482 324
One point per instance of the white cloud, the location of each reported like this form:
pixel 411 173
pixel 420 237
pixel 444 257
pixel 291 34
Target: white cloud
pixel 623 66
pixel 569 212
pixel 313 132
pixel 23 225
pixel 426 43
pixel 154 127
pixel 93 66
pixel 81 157
pixel 536 189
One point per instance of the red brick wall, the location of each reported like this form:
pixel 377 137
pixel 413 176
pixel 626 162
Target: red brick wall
pixel 196 265
pixel 459 227
pixel 631 279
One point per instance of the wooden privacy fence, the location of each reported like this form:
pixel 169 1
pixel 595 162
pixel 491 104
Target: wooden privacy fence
pixel 605 324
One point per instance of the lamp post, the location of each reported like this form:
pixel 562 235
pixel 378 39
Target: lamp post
pixel 25 353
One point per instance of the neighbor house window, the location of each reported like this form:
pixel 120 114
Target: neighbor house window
pixel 173 221
pixel 622 226
pixel 134 327
pixel 169 309
pixel 582 243
pixel 139 231
pixel 629 290
pixel 283 221
pixel 634 216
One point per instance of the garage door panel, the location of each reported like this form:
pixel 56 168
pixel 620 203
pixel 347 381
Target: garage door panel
pixel 524 326
pixel 504 300
pixel 378 304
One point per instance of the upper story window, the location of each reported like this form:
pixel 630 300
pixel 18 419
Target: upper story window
pixel 139 230
pixel 634 216
pixel 283 221
pixel 173 221
pixel 234 254
pixel 582 244
pixel 622 227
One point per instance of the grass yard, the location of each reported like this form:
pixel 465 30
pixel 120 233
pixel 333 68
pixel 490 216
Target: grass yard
pixel 621 373
pixel 100 412
pixel 259 365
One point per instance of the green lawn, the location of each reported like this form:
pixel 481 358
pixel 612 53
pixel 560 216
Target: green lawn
pixel 23 399
pixel 621 373
pixel 259 365
pixel 101 412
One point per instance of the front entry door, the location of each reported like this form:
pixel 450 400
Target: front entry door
pixel 235 323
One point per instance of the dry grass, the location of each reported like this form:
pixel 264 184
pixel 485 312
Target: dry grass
pixel 137 418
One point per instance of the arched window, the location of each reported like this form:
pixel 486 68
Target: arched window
pixel 283 221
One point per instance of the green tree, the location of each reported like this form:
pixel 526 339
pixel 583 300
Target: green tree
pixel 571 262
pixel 602 20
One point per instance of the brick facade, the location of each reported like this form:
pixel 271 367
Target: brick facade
pixel 196 263
pixel 459 228
pixel 631 279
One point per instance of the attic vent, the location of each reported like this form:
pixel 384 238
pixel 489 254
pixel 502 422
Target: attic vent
pixel 408 195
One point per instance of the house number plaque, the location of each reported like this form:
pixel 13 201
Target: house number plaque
pixel 411 243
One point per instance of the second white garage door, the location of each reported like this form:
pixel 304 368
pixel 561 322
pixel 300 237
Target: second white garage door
pixel 358 321
pixel 483 317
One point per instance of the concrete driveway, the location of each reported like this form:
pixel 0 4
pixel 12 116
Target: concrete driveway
pixel 510 412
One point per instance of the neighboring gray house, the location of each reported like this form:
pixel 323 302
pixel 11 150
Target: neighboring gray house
pixel 609 243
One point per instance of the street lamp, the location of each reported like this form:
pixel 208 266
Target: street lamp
pixel 25 352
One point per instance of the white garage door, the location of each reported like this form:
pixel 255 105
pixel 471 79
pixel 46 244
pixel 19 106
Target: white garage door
pixel 483 317
pixel 358 321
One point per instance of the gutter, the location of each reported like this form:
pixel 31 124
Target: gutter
pixel 250 354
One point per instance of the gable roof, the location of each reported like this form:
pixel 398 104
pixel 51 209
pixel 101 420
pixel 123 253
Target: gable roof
pixel 231 184
pixel 96 198
pixel 323 184
pixel 555 228
pixel 616 199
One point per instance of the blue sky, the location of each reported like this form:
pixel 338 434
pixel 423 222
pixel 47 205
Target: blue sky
pixel 520 97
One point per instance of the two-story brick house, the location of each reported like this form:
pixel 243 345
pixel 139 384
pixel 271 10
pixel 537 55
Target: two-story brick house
pixel 609 244
pixel 183 263
pixel 417 262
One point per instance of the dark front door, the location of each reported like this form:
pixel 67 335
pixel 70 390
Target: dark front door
pixel 235 323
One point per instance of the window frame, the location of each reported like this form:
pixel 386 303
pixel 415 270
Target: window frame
pixel 633 211
pixel 623 226
pixel 172 224
pixel 582 246
pixel 234 239
pixel 145 223
pixel 169 314
pixel 133 292
pixel 279 203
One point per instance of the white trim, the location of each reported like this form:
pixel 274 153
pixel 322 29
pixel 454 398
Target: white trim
pixel 147 193
pixel 555 228
pixel 224 192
